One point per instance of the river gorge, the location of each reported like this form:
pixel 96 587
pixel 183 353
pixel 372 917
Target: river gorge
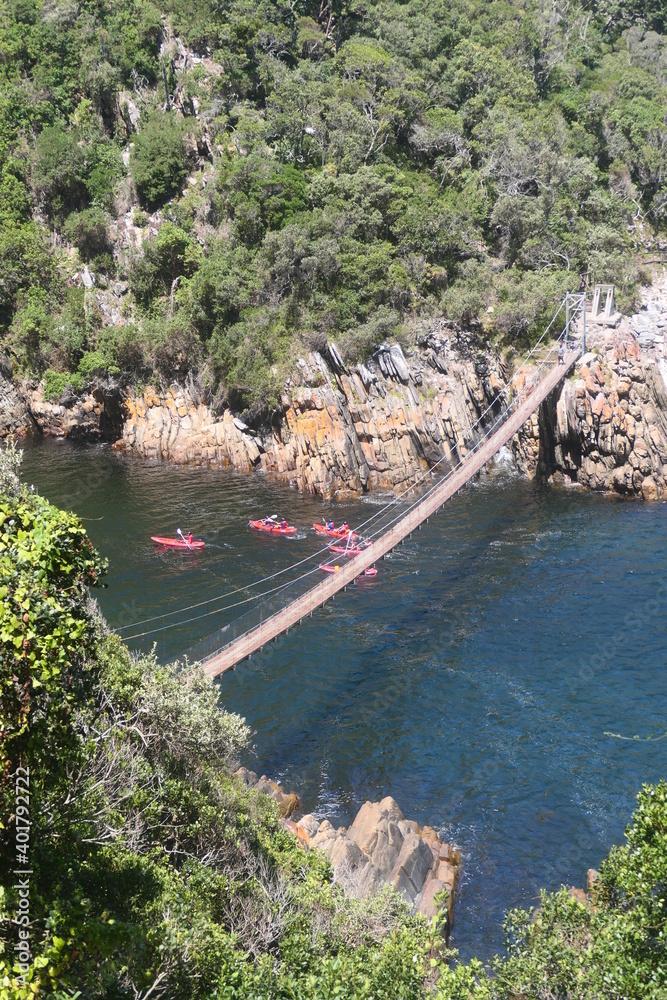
pixel 491 680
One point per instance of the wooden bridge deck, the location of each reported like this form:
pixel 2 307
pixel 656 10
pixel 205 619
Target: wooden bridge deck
pixel 291 615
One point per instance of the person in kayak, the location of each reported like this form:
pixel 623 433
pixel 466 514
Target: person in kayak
pixel 344 526
pixel 329 525
pixel 189 538
pixel 283 523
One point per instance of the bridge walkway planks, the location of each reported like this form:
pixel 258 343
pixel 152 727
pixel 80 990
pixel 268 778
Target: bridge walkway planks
pixel 294 613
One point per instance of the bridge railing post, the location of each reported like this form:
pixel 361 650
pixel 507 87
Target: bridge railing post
pixel 583 339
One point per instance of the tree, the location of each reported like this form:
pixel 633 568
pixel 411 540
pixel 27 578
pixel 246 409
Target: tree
pixel 157 162
pixel 58 173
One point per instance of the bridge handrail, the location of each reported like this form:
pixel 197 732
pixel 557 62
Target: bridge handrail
pixel 377 514
pixel 404 514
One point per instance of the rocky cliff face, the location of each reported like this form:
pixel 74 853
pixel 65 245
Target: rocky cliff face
pixel 15 419
pixel 343 431
pixel 97 415
pixel 606 428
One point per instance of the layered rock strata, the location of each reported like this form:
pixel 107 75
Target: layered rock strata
pixel 93 416
pixel 343 431
pixel 381 847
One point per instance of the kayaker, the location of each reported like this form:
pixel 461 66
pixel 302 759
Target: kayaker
pixel 344 526
pixel 330 525
pixel 283 523
pixel 189 538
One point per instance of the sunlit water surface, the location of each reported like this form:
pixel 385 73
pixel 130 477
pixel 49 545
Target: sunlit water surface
pixel 478 681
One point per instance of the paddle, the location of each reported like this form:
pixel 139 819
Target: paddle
pixel 179 532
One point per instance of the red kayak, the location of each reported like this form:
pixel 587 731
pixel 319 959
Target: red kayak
pixel 334 532
pixel 349 550
pixel 177 543
pixel 272 528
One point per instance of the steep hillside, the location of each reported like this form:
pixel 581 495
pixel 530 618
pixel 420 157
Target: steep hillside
pixel 210 190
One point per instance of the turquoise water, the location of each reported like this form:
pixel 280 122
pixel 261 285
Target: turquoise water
pixel 477 681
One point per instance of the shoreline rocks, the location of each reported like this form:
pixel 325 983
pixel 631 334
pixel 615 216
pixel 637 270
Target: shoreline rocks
pixel 380 847
pixel 342 431
pixel 606 428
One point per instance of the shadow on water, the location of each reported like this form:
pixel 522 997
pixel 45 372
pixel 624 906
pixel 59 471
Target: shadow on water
pixel 475 682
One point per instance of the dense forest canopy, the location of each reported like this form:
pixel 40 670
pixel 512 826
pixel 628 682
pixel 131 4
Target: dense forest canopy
pixel 269 175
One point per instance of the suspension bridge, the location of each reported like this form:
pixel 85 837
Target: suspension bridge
pixel 493 429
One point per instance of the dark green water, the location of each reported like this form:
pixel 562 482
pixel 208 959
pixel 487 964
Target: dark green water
pixel 476 681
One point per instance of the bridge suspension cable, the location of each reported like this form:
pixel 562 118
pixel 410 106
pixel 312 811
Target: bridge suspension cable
pixel 571 317
pixel 244 644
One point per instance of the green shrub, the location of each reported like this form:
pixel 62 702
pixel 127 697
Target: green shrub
pixel 26 262
pixel 14 198
pixel 30 331
pixel 157 162
pixel 88 230
pixel 55 383
pixel 96 363
pixel 139 218
pixel 58 173
pixel 169 255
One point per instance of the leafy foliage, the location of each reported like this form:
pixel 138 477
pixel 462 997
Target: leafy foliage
pixel 158 161
pixel 346 163
pixel 151 867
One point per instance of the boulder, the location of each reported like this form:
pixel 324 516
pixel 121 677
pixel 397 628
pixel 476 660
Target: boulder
pixel 377 833
pixel 368 881
pixel 650 490
pixel 425 903
pixel 412 866
pixel 447 873
pixel 344 852
pixel 310 824
pixel 325 833
pixel 400 364
pixel 249 778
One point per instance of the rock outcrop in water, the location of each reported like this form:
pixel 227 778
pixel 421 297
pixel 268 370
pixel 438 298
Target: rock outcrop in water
pixel 381 847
